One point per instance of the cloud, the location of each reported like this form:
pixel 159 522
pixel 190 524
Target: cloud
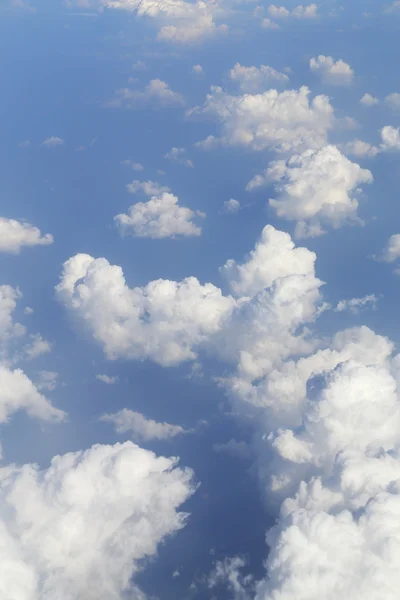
pixel 254 79
pixel 141 428
pixel 393 101
pixel 53 142
pixel 361 149
pixel 15 235
pixel 299 12
pixel 156 94
pixel 228 573
pixel 198 69
pixel 368 100
pixel 163 321
pixel 177 155
pixel 47 380
pixel 28 310
pixel 268 24
pixel 82 527
pixel 286 121
pixel 390 137
pixel 393 8
pixel 231 206
pixel 37 347
pixel 354 305
pixel 332 72
pixel 234 449
pixel 150 188
pixel 109 380
pixel 135 166
pixel 159 217
pixel 315 188
pixel 391 252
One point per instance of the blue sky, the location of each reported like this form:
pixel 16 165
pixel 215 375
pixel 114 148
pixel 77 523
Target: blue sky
pixel 285 397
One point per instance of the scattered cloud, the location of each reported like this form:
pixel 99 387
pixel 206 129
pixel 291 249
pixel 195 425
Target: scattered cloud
pixel 361 149
pixel 141 428
pixel 198 69
pixel 231 206
pixel 391 252
pixel 332 72
pixel 135 166
pixel 254 79
pixel 299 12
pixel 25 144
pixel 355 305
pixel 108 379
pixel 37 347
pixel 368 100
pixel 47 381
pixel 268 24
pixel 390 137
pixel 15 235
pixel 178 155
pixel 53 142
pixel 156 94
pixel 234 449
pixel 28 310
pixel 393 101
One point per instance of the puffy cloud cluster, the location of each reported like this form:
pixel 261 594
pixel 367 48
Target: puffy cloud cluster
pixel 178 155
pixel 354 305
pixel 283 121
pixel 159 217
pixel 369 100
pixel 253 79
pixel 361 149
pixel 15 235
pixel 179 21
pixel 81 528
pixel 140 427
pixel 391 252
pixel 315 188
pixel 390 138
pixel 309 11
pixel 331 71
pixel 156 94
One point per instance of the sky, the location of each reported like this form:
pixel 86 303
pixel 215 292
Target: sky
pixel 200 261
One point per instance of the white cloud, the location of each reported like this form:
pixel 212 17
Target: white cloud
pixel 331 71
pixel 309 11
pixel 227 572
pixel 15 235
pixel 53 142
pixel 108 379
pixel 37 347
pixel 159 217
pixel 393 101
pixel 368 100
pixel 8 303
pixel 390 137
pixel 157 94
pixel 141 428
pixel 354 305
pixel 198 69
pixel 234 449
pixel 135 166
pixel 47 380
pixel 316 188
pixel 178 155
pixel 81 528
pixel 164 321
pixel 268 24
pixel 361 149
pixel 287 121
pixel 231 206
pixel 254 79
pixel 391 251
pixel 150 188
pixel 28 310
pixel 393 8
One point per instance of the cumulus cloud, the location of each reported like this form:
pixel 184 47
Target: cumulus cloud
pixel 141 428
pixel 198 69
pixel 315 188
pixel 15 235
pixel 254 79
pixel 135 166
pixel 178 155
pixel 391 252
pixel 53 142
pixel 393 101
pixel 36 347
pixel 228 573
pixel 47 380
pixel 82 527
pixel 159 217
pixel 231 206
pixel 283 121
pixel 156 94
pixel 309 11
pixel 233 448
pixel 390 137
pixel 361 149
pixel 332 72
pixel 369 100
pixel 354 305
pixel 108 379
pixel 163 321
pixel 268 24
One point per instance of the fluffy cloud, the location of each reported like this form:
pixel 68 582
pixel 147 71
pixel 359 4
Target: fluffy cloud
pixel 354 305
pixel 178 155
pixel 254 79
pixel 361 149
pixel 287 121
pixel 141 428
pixel 393 100
pixel 81 528
pixel 299 12
pixel 368 100
pixel 231 206
pixel 163 321
pixel 159 217
pixel 198 69
pixel 53 142
pixel 331 71
pixel 156 94
pixel 15 235
pixel 37 346
pixel 390 137
pixel 315 188
pixel 391 252
pixel 108 379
